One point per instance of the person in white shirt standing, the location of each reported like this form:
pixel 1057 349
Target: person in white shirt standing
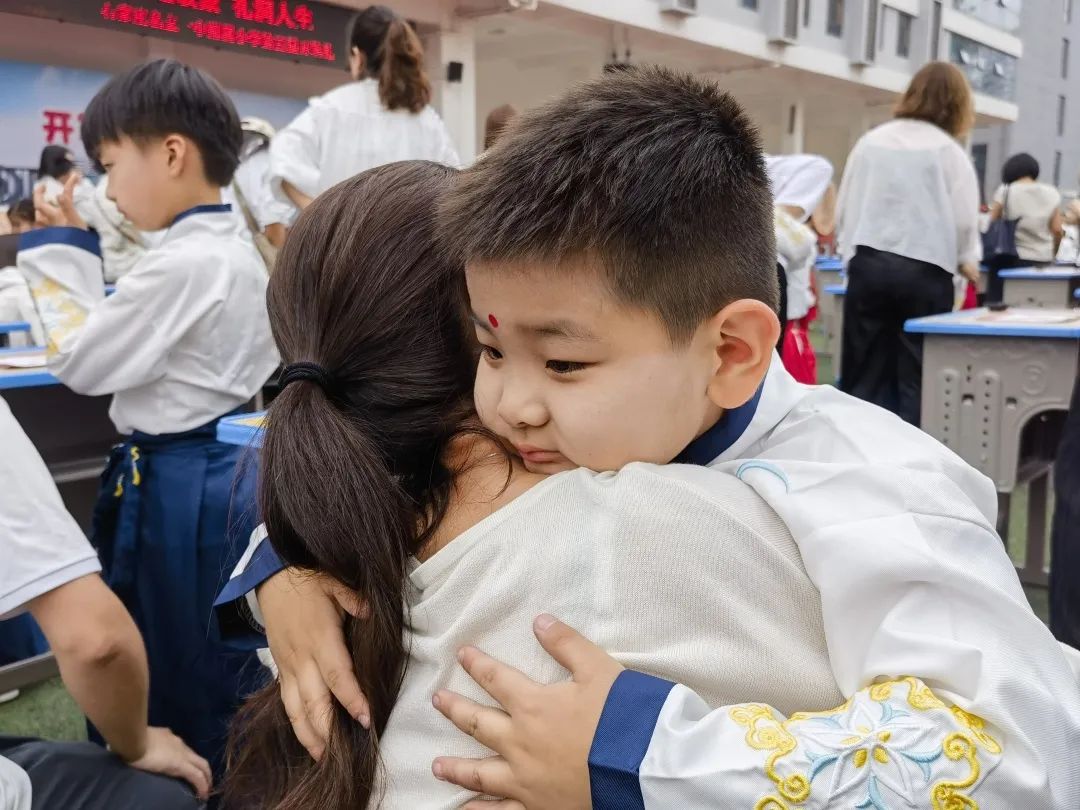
pixel 382 116
pixel 907 228
pixel 266 217
pixel 183 341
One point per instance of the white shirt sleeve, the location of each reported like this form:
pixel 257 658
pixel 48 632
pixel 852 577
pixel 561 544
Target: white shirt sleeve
pixel 294 156
pixel 958 695
pixel 41 545
pixel 100 345
pixel 964 195
pixel 846 210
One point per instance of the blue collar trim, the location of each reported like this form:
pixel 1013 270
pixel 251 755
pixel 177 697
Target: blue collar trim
pixel 707 447
pixel 220 208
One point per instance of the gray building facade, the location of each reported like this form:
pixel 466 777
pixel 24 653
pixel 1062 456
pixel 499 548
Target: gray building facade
pixel 1048 95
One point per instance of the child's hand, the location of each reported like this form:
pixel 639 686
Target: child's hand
pixel 303 612
pixel 63 213
pixel 544 734
pixel 167 754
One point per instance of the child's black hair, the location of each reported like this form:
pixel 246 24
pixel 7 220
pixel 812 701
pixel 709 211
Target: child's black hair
pixel 656 175
pixel 161 98
pixel 55 161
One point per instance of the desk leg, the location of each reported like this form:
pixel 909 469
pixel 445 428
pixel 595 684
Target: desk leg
pixel 1004 503
pixel 1034 570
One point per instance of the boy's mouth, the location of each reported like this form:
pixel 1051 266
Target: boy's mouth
pixel 537 455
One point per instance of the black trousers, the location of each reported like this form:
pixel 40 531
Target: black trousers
pixel 84 776
pixel 1065 534
pixel 881 362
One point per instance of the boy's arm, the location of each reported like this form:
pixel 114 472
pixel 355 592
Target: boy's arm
pixel 100 345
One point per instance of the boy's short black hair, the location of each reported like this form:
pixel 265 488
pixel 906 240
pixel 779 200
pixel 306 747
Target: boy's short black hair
pixel 657 175
pixel 163 97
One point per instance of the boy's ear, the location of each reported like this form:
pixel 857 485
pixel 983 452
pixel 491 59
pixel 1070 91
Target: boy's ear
pixel 743 336
pixel 177 154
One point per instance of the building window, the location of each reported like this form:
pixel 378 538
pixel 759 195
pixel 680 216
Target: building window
pixel 806 13
pixel 1061 115
pixel 989 71
pixel 1003 14
pixel 750 4
pixel 1057 168
pixel 834 24
pixel 903 34
pixel 1068 11
pixel 1065 58
pixel 935 31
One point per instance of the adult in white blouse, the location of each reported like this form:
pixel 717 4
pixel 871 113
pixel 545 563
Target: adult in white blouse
pixel 907 227
pixel 1036 207
pixel 382 116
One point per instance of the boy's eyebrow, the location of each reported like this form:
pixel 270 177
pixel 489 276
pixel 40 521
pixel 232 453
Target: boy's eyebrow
pixel 561 328
pixel 564 329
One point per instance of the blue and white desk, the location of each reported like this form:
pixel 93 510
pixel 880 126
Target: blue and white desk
pixel 244 429
pixel 9 328
pixel 991 384
pixel 1049 287
pixel 832 298
pixel 830 275
pixel 11 378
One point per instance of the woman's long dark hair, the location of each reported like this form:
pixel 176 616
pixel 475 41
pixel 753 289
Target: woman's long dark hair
pixel 352 477
pixel 393 55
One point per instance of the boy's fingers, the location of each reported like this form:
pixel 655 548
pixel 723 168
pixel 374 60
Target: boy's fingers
pixel 571 649
pixel 491 776
pixel 504 683
pixel 337 672
pixel 204 768
pixel 294 709
pixel 484 724
pixel 191 774
pixel 349 601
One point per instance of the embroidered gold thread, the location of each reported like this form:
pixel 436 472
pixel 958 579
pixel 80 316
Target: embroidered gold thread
pixel 136 476
pixel 766 733
pixel 976 725
pixel 946 795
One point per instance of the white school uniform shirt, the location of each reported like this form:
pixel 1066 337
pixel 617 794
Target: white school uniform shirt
pixel 184 339
pixel 957 695
pixel 679 571
pixel 253 179
pixel 16 304
pixel 41 545
pixel 909 188
pixel 347 131
pixel 796 248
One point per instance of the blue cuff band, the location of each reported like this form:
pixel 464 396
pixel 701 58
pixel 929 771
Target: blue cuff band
pixel 622 739
pixel 74 237
pixel 264 563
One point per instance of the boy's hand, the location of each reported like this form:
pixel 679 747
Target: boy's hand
pixel 168 755
pixel 63 213
pixel 970 272
pixel 544 734
pixel 303 612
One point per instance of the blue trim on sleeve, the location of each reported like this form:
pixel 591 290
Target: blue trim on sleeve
pixel 219 208
pixel 74 237
pixel 622 739
pixel 264 563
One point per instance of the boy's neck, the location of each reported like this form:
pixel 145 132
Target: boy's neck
pixel 196 195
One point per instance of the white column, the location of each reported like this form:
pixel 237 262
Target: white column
pixel 793 121
pixel 455 41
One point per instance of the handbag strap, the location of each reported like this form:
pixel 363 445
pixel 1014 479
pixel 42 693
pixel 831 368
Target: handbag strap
pixel 1005 202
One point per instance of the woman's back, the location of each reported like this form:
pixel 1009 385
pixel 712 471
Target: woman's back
pixel 906 190
pixel 1033 204
pixel 678 571
pixel 348 131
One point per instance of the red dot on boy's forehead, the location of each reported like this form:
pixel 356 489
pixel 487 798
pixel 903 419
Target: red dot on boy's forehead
pixel 493 321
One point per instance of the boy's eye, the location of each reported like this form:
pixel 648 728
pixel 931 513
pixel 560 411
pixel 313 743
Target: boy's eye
pixel 565 366
pixel 490 352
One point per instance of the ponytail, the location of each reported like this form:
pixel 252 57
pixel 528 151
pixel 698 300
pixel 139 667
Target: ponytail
pixel 353 479
pixel 403 84
pixel 393 55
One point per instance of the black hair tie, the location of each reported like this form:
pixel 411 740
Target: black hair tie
pixel 310 372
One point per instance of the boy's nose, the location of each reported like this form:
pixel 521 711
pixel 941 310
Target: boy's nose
pixel 522 412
